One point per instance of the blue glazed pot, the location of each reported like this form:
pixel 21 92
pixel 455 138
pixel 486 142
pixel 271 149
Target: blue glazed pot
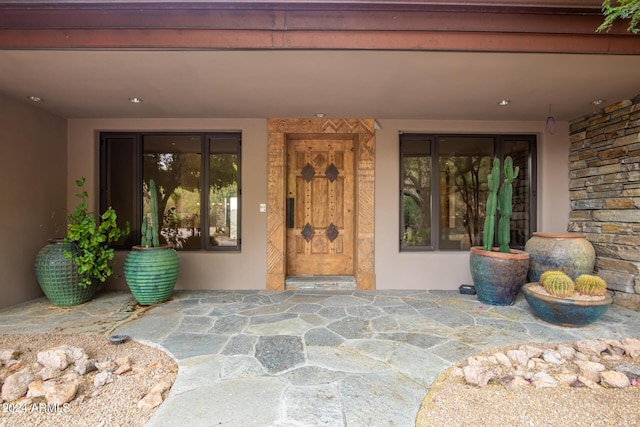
pixel 565 312
pixel 570 253
pixel 498 276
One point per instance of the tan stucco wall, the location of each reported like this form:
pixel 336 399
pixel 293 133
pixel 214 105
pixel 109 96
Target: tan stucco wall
pixel 33 153
pixel 449 269
pixel 394 270
pixel 198 270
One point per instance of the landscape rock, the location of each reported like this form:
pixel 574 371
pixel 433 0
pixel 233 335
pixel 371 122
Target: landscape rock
pixel 124 365
pixel 7 355
pixel 48 373
pixel 150 401
pixel 102 378
pixel 631 371
pixel 84 365
pixel 614 379
pixel 106 365
pixel 631 347
pixel 518 356
pixel 591 347
pixel 55 358
pixel 60 393
pixel 477 375
pixel 16 385
pixel 36 389
pixel 543 380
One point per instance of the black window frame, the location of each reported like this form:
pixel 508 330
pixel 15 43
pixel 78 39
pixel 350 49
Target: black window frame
pixel 131 173
pixel 431 142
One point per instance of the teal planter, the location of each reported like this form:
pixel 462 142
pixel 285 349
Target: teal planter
pixel 151 273
pixel 564 311
pixel 570 253
pixel 498 276
pixel 58 275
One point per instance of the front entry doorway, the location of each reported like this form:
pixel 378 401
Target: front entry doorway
pixel 320 204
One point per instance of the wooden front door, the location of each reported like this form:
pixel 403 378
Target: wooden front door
pixel 320 205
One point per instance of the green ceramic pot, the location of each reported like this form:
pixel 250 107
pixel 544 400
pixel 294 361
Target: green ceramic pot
pixel 570 253
pixel 151 273
pixel 58 275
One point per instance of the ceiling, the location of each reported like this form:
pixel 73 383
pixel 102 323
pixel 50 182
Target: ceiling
pixel 298 83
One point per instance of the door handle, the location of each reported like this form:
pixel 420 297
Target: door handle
pixel 291 213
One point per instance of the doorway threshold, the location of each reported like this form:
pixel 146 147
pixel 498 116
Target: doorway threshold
pixel 325 283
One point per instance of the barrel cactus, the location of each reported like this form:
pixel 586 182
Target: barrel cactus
pixel 558 284
pixel 589 284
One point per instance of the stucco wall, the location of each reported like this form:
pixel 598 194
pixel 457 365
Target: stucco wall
pixel 198 270
pixel 449 269
pixel 33 153
pixel 394 270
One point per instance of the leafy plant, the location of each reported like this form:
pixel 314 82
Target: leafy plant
pixel 625 9
pixel 92 239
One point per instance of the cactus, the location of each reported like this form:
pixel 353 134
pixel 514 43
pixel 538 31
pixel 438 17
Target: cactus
pixel 591 285
pixel 493 182
pixel 549 273
pixel 150 229
pixel 558 284
pixel 505 207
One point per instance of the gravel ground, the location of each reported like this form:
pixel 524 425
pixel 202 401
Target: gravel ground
pixel 114 404
pixel 452 402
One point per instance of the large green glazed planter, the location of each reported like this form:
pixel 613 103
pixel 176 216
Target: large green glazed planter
pixel 498 276
pixel 565 312
pixel 58 275
pixel 570 253
pixel 151 273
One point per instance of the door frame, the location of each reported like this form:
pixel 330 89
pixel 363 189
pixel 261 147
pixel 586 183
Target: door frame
pixel 364 179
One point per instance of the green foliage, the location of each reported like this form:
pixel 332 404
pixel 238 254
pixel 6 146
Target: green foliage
pixel 557 284
pixel 505 207
pixel 493 182
pixel 591 285
pixel 92 239
pixel 624 9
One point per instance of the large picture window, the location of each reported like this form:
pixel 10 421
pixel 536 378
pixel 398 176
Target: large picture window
pixel 443 189
pixel 198 179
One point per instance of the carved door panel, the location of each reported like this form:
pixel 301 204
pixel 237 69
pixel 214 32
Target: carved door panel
pixel 320 205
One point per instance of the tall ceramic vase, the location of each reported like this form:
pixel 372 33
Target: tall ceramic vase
pixel 151 273
pixel 58 275
pixel 571 253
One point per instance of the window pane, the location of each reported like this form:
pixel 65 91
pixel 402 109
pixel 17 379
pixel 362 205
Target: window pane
pixel 174 162
pixel 416 193
pixel 223 198
pixel 464 164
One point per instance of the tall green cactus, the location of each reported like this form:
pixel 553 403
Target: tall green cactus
pixel 493 182
pixel 505 207
pixel 151 230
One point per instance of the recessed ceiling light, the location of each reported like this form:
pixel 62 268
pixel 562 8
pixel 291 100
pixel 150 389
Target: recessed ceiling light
pixel 135 100
pixel 319 115
pixel 504 102
pixel 597 101
pixel 35 98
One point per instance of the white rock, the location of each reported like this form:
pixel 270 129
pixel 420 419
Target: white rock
pixel 124 365
pixel 60 393
pixel 587 382
pixel 543 380
pixel 590 347
pixel 531 351
pixel 8 354
pixel 588 366
pixel 150 401
pixel 48 373
pixel 106 365
pixel 84 365
pixel 503 359
pixel 477 375
pixel 613 379
pixel 566 378
pixel 55 358
pixel 102 378
pixel 552 357
pixel 518 356
pixel 36 389
pixel 566 351
pixel 631 347
pixel 16 385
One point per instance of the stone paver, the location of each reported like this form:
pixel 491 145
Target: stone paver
pixel 308 358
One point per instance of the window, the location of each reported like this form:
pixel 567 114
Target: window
pixel 199 194
pixel 443 189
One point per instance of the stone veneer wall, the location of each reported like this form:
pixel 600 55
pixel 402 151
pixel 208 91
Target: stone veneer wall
pixel 604 172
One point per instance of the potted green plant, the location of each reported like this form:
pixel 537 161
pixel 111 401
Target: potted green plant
pixel 70 269
pixel 151 269
pixel 559 300
pixel 499 273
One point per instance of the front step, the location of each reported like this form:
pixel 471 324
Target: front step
pixel 325 283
